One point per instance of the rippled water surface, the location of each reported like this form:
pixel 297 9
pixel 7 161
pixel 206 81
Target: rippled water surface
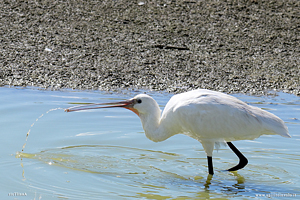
pixel 104 154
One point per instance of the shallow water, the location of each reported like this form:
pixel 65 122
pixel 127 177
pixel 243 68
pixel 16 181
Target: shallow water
pixel 104 154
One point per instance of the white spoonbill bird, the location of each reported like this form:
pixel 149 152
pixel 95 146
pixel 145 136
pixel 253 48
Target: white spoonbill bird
pixel 207 116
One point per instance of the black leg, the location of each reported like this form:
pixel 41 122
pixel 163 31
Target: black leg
pixel 243 160
pixel 210 165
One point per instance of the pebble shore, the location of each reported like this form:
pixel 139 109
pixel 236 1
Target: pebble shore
pixel 231 46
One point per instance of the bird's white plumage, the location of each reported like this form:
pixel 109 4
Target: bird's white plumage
pixel 208 117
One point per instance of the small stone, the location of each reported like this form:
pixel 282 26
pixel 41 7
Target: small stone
pixel 47 49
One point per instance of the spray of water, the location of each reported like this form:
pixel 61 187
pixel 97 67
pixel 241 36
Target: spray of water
pixel 19 154
pixel 37 119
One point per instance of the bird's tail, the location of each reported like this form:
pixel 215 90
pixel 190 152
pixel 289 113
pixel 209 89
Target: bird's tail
pixel 284 132
pixel 277 126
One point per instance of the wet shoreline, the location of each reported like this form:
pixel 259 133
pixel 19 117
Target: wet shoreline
pixel 234 47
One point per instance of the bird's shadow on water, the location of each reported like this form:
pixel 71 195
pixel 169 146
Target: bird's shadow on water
pixel 234 185
pixel 226 184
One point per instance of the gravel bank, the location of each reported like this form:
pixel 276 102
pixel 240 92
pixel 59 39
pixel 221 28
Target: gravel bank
pixel 247 46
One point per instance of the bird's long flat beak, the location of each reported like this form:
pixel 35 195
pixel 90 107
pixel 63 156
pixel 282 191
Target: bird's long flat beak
pixel 128 104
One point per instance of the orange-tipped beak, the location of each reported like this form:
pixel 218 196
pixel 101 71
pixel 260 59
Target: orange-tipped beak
pixel 128 104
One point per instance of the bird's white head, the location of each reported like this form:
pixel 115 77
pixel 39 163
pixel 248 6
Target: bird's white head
pixel 143 104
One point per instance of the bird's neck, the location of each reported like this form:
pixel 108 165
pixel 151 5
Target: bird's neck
pixel 154 127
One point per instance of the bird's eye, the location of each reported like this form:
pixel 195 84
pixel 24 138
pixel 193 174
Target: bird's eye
pixel 139 101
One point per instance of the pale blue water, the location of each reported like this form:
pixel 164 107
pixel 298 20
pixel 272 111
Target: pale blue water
pixel 104 154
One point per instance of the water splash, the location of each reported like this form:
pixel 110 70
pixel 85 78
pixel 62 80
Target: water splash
pixel 21 154
pixel 37 119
